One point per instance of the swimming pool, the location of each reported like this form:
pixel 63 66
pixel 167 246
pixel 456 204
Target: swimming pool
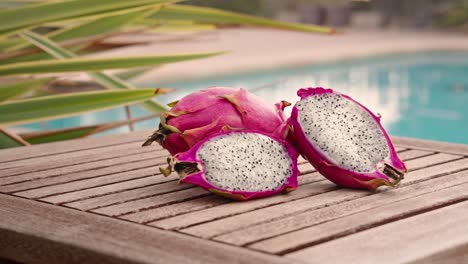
pixel 421 95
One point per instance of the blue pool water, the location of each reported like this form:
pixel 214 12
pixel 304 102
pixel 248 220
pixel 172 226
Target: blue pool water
pixel 421 95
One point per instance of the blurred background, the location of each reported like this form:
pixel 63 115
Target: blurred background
pixel 363 14
pixel 407 60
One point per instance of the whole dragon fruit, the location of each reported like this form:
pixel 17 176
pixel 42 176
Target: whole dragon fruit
pixel 344 141
pixel 239 164
pixel 206 112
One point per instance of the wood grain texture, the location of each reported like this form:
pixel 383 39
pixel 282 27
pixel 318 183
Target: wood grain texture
pixel 271 213
pixel 414 153
pixel 220 226
pixel 93 182
pixel 58 235
pixel 312 217
pixel 414 143
pixel 411 239
pixel 57 148
pixel 449 190
pixel 153 201
pixel 153 214
pixel 88 156
pixel 116 182
pixel 236 208
pixel 136 168
pixel 81 167
pixel 92 192
pixel 431 160
pixel 115 199
pixel 455 255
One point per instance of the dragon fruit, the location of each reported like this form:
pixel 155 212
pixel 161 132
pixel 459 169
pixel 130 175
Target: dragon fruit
pixel 344 140
pixel 206 112
pixel 239 164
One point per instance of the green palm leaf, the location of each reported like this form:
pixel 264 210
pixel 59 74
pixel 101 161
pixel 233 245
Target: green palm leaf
pixel 217 16
pixel 96 64
pixel 13 90
pixel 50 107
pixel 12 20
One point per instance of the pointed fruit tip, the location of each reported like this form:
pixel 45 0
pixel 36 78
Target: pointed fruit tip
pixel 148 142
pixel 165 171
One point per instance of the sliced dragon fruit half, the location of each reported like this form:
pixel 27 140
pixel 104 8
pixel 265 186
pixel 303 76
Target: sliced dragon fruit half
pixel 344 140
pixel 239 164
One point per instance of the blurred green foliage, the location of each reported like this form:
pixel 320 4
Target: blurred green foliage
pixel 51 36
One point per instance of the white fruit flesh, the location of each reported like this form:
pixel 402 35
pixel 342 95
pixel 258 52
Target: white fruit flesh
pixel 247 162
pixel 343 131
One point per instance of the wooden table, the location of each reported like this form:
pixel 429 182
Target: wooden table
pixel 102 200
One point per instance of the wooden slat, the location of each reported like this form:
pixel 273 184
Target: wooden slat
pixel 128 196
pixel 455 255
pixel 446 147
pixel 204 216
pixel 431 160
pixel 414 153
pixel 80 167
pixel 370 218
pixel 216 213
pixel 103 181
pixel 56 148
pixel 109 188
pixel 58 235
pixel 309 218
pixel 143 216
pixel 152 201
pixel 150 165
pixel 146 216
pixel 114 188
pixel 438 170
pixel 68 160
pixel 225 225
pixel 398 242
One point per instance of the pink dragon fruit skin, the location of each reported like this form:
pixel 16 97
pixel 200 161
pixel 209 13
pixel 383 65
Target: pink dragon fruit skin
pixel 388 171
pixel 193 170
pixel 207 111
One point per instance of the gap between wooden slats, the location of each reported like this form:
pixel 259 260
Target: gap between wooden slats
pixel 124 208
pixel 281 225
pixel 53 234
pixel 58 148
pixel 148 203
pixel 64 161
pixel 127 196
pixel 70 192
pixel 152 202
pixel 49 193
pixel 449 193
pixel 146 214
pixel 151 214
pixel 86 167
pixel 110 188
pixel 152 199
pixel 78 176
pixel 402 241
pixel 95 187
pixel 231 224
pixel 193 218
